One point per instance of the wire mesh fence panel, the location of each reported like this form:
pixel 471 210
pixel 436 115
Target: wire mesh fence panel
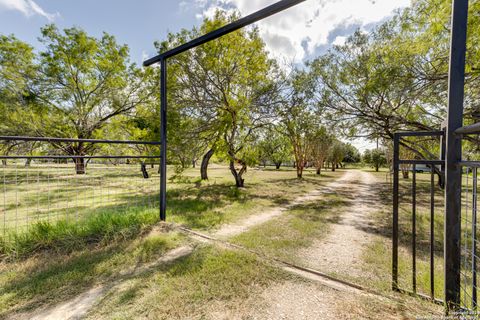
pixel 51 190
pixel 469 239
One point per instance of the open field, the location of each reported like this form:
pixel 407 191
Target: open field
pixel 127 272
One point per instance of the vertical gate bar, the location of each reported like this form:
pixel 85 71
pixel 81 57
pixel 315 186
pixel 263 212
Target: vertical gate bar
pixel 432 232
pixel 453 181
pixel 414 228
pixel 465 238
pixel 163 133
pixel 474 239
pixel 396 149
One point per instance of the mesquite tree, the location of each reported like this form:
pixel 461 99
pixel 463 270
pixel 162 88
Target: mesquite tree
pixel 298 117
pixel 85 82
pixel 227 86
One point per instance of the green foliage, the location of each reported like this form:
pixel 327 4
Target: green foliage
pixel 274 147
pixel 74 87
pixel 375 158
pixel 220 92
pixel 66 236
pixel 352 155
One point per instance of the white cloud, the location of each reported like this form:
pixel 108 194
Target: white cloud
pixel 301 30
pixel 340 40
pixel 27 7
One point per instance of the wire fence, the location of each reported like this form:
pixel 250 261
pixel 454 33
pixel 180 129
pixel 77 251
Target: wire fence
pixel 469 240
pixel 51 188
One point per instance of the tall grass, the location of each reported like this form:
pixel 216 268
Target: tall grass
pixel 66 236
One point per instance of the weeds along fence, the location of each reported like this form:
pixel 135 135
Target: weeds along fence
pixel 42 187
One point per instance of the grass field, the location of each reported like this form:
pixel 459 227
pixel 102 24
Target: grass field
pixel 71 255
pixel 54 262
pixel 38 197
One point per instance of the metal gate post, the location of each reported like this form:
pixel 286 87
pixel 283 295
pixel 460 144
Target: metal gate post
pixel 453 174
pixel 396 166
pixel 163 134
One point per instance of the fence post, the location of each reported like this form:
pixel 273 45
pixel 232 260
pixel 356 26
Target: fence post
pixel 453 174
pixel 163 134
pixel 396 150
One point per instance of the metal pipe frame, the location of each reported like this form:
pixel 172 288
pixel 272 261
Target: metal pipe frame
pixel 162 59
pixel 426 162
pixel 229 28
pixel 471 129
pixel 420 133
pixel 61 140
pixel 396 169
pixel 78 157
pixel 453 172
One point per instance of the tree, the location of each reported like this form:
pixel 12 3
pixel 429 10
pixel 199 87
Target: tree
pixel 298 117
pixel 227 86
pixel 321 142
pixel 274 148
pixel 375 158
pixel 352 155
pixel 17 103
pixel 85 82
pixel 336 154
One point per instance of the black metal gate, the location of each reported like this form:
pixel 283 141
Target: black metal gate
pixel 406 237
pixel 405 226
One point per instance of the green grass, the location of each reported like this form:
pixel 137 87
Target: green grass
pixel 62 255
pixel 208 204
pixel 53 277
pixel 297 228
pixel 67 236
pixel 61 210
pixel 378 256
pixel 188 288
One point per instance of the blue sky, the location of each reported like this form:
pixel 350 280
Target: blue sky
pixel 298 34
pixel 136 23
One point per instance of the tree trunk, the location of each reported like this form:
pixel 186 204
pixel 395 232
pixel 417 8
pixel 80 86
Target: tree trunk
pixel 143 168
pixel 194 164
pixel 334 166
pixel 377 167
pixel 28 162
pixel 4 162
pixel 319 169
pixel 278 165
pixel 80 165
pixel 239 181
pixel 405 174
pixel 299 171
pixel 205 161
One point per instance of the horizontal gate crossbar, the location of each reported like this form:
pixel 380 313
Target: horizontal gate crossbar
pixel 60 140
pixel 420 133
pixel 78 157
pixel 471 129
pixel 471 164
pixel 236 25
pixel 426 162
